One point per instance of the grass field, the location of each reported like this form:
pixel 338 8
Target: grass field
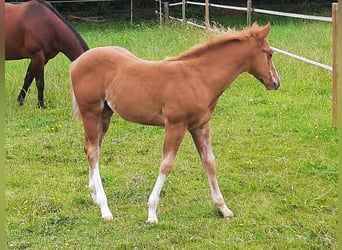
pixel 276 156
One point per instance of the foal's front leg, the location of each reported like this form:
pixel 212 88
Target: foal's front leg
pixel 174 135
pixel 202 141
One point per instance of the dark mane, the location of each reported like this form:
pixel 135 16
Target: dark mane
pixel 78 36
pixel 198 50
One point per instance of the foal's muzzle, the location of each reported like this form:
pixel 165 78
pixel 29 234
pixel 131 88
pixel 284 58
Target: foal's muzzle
pixel 274 85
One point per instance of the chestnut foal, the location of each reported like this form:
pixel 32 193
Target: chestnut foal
pixel 178 93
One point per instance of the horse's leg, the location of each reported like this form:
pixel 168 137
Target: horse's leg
pixel 27 83
pixel 94 132
pixel 174 135
pixel 40 87
pixel 35 70
pixel 202 141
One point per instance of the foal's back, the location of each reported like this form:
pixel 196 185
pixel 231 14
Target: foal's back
pixel 140 91
pixel 116 65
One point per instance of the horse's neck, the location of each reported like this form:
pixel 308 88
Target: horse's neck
pixel 221 66
pixel 69 44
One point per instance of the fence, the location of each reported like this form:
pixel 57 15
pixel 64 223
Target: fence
pixel 249 10
pixel 132 9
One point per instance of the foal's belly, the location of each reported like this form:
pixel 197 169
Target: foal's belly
pixel 138 113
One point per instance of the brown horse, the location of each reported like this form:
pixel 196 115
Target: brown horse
pixel 37 31
pixel 178 93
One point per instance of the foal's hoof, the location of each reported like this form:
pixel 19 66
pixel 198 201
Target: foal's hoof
pixel 228 215
pixel 152 221
pixel 106 214
pixel 108 218
pixel 226 212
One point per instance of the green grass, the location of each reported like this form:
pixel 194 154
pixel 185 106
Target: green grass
pixel 276 157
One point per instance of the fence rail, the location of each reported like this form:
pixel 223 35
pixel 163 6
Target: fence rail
pixel 294 15
pixel 263 11
pixel 303 59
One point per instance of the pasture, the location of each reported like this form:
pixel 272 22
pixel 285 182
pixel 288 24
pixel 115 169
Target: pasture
pixel 276 156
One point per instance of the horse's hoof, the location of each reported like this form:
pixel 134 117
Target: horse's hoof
pixel 41 106
pixel 20 101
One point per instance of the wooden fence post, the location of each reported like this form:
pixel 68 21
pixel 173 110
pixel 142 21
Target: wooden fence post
pixel 335 62
pixel 183 10
pixel 207 25
pixel 166 12
pixel 249 12
pixel 131 12
pixel 160 13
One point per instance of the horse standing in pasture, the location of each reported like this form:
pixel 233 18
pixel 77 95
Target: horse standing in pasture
pixel 37 31
pixel 177 93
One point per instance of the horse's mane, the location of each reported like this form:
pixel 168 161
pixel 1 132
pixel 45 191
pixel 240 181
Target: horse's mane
pixel 78 36
pixel 198 50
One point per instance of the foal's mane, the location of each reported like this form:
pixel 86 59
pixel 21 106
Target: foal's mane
pixel 200 49
pixel 77 35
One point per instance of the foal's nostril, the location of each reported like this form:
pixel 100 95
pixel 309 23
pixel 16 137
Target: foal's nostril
pixel 276 85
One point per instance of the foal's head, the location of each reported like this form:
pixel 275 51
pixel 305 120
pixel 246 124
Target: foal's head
pixel 261 65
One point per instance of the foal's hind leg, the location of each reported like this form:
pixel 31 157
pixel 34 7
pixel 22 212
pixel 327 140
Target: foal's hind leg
pixel 105 122
pixel 202 141
pixel 174 135
pixel 95 126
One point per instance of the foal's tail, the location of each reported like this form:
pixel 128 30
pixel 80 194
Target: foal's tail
pixel 76 110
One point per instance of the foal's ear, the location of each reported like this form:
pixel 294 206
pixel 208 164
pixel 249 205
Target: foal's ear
pixel 264 31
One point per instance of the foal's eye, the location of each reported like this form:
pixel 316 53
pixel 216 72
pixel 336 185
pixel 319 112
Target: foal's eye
pixel 270 55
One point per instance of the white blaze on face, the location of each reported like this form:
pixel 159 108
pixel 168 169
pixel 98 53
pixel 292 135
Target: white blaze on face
pixel 276 77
